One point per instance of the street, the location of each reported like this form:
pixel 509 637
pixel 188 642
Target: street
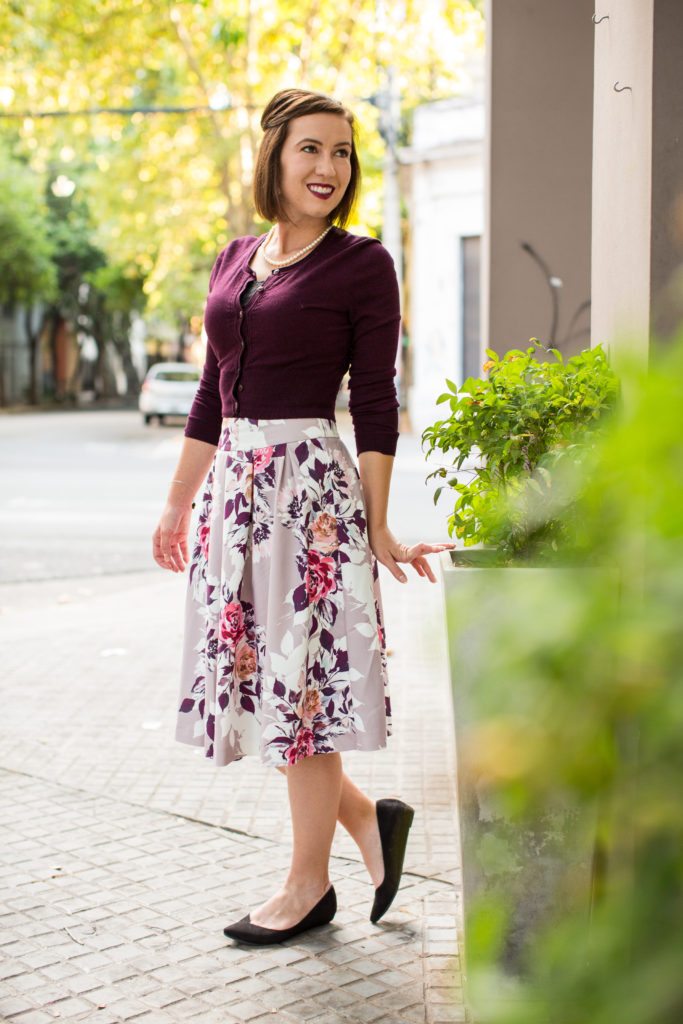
pixel 82 492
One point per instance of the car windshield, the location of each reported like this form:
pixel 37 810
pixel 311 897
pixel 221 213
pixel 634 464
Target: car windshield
pixel 176 375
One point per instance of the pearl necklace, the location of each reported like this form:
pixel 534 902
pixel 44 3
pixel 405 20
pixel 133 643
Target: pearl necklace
pixel 295 256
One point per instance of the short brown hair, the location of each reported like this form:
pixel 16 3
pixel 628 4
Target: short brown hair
pixel 279 111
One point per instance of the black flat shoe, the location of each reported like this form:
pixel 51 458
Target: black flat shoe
pixel 394 818
pixel 246 931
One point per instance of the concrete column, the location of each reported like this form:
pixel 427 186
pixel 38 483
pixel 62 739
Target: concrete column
pixel 666 270
pixel 622 174
pixel 538 170
pixel 638 174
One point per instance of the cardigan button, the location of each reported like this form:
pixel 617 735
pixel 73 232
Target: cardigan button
pixel 240 387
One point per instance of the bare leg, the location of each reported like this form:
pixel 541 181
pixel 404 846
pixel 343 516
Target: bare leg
pixel 358 816
pixel 314 785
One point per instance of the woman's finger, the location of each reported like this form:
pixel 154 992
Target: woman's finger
pixel 415 555
pixel 427 569
pixel 167 549
pixel 156 549
pixel 389 561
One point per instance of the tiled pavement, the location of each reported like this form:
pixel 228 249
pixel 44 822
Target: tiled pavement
pixel 124 853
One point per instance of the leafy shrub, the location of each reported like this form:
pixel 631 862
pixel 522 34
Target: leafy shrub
pixel 604 666
pixel 528 416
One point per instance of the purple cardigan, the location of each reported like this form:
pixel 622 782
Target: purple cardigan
pixel 286 353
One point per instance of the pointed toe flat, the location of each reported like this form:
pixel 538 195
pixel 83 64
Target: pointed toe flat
pixel 246 931
pixel 394 818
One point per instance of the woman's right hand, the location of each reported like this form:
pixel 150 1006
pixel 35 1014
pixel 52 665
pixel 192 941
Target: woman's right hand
pixel 169 540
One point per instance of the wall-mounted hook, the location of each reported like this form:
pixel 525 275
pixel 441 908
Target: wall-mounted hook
pixel 624 87
pixel 605 17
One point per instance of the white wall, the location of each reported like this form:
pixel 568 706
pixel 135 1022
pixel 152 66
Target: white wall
pixel 446 203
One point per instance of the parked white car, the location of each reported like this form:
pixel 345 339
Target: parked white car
pixel 168 390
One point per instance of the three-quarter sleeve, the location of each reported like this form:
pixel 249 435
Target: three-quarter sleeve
pixel 205 418
pixel 376 323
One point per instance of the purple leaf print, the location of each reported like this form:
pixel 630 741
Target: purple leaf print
pixel 281 494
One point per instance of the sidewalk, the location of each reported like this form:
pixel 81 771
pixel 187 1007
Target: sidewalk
pixel 125 852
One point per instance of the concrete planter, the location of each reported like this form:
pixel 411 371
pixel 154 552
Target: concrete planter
pixel 538 865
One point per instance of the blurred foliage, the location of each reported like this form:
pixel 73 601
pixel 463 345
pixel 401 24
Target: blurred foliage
pixel 526 421
pixel 27 253
pixel 168 188
pixel 586 701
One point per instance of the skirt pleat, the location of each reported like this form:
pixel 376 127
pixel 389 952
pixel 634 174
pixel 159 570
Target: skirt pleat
pixel 284 652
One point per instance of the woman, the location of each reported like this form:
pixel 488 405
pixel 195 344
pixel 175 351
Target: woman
pixel 284 651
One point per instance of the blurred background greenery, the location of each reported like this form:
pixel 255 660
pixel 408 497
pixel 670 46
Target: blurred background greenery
pixel 129 132
pixel 586 703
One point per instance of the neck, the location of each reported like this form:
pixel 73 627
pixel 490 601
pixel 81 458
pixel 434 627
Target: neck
pixel 292 237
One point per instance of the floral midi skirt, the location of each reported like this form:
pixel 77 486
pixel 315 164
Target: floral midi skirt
pixel 284 650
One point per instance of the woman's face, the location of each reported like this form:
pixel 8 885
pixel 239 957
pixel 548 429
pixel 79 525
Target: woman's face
pixel 316 151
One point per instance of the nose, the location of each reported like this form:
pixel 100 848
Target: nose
pixel 324 165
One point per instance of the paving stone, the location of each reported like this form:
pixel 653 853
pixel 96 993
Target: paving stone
pixel 126 857
pixel 70 1006
pixel 13 1005
pixel 246 1010
pixel 449 1015
pixel 34 1017
pixel 364 1012
pixel 339 999
pixel 447 995
pixel 24 983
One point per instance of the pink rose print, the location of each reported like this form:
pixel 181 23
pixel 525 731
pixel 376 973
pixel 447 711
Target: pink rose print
pixel 262 456
pixel 319 577
pixel 245 662
pixel 204 531
pixel 232 627
pixel 309 706
pixel 324 529
pixel 301 747
pixel 379 634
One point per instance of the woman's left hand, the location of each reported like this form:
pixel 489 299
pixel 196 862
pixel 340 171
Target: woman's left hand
pixel 389 552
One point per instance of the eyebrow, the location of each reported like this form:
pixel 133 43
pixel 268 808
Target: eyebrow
pixel 342 143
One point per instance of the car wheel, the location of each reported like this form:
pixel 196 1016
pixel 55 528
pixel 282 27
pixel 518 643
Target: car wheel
pixel 147 419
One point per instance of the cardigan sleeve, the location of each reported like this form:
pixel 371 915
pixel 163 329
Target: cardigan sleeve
pixel 205 417
pixel 376 320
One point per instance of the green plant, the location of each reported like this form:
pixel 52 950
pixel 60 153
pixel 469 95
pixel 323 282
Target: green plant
pixel 520 422
pixel 590 693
